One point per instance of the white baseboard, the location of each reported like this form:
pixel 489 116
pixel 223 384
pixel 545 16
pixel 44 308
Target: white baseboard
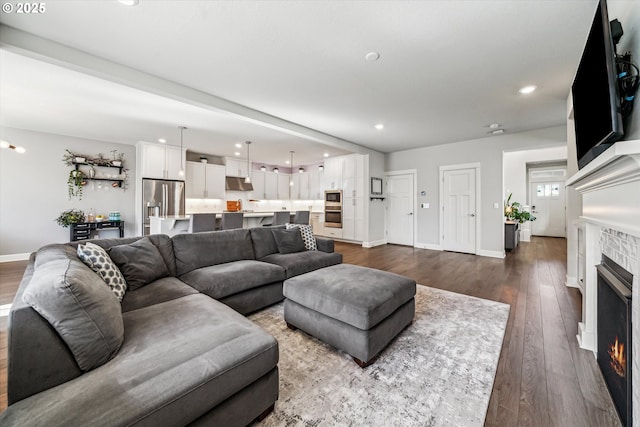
pixel 491 254
pixel 428 246
pixel 571 282
pixel 374 243
pixel 15 257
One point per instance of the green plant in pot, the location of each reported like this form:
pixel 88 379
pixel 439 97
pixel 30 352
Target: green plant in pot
pixel 76 181
pixel 513 212
pixel 71 216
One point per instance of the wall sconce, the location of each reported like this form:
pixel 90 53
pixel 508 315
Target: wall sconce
pixel 263 168
pixel 300 170
pixel 321 167
pixel 276 170
pixel 5 144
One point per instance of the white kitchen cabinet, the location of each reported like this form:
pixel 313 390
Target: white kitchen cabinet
pixel 236 167
pixel 353 218
pixel 205 181
pixel 295 188
pixel 332 177
pixel 303 187
pixel 316 219
pixel 270 186
pixel 335 233
pixel 283 186
pixel 353 176
pixel 315 184
pixel 257 180
pixel 160 161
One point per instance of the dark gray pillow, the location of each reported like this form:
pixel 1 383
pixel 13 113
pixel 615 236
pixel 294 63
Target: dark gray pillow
pixel 140 262
pixel 80 307
pixel 289 241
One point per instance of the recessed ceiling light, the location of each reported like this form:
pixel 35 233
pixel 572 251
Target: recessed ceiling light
pixel 497 131
pixel 287 162
pixel 129 2
pixel 238 145
pixel 372 56
pixel 326 154
pixel 494 125
pixel 527 89
pixel 379 126
pixel 162 140
pixel 237 153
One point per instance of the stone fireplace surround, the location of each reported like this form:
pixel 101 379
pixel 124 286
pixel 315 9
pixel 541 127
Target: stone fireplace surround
pixel 610 225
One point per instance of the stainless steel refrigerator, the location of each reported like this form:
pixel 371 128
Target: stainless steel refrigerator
pixel 161 198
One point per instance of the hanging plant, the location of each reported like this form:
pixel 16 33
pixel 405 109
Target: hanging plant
pixel 71 216
pixel 75 183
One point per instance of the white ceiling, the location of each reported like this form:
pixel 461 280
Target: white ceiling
pixel 447 70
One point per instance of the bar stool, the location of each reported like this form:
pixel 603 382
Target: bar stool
pixel 231 220
pixel 202 222
pixel 301 217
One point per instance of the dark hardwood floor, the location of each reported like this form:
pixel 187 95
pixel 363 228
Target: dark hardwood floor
pixel 543 377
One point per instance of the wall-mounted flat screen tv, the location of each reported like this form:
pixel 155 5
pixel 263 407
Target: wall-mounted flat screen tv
pixel 596 104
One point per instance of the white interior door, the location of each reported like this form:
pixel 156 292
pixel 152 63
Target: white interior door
pixel 459 210
pixel 548 206
pixel 400 209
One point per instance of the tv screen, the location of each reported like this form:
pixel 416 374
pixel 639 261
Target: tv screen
pixel 596 104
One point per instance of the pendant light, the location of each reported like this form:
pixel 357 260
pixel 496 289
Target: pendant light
pixel 182 128
pixel 291 164
pixel 247 179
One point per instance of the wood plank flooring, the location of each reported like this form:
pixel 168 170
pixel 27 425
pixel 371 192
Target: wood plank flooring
pixel 543 377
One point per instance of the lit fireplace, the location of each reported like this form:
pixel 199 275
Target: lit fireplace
pixel 618 358
pixel 614 334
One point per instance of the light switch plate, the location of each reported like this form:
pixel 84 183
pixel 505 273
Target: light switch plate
pixel 496 205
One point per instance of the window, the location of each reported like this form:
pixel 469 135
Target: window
pixel 548 190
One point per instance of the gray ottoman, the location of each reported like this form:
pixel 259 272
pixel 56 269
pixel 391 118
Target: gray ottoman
pixel 356 309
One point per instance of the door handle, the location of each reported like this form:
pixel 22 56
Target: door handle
pixel 534 211
pixel 472 215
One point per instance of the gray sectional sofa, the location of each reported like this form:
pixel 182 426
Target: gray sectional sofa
pixel 177 350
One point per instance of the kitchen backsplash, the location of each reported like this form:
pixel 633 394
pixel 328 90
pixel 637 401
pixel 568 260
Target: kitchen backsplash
pixel 218 205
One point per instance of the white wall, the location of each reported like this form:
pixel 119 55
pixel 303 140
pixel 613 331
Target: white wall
pixel 515 169
pixel 376 207
pixel 488 152
pixel 33 189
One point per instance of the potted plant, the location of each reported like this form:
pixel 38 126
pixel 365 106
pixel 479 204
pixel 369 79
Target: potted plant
pixel 75 183
pixel 514 212
pixel 71 216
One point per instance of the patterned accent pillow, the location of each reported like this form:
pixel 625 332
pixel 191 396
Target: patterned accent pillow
pixel 99 261
pixel 306 230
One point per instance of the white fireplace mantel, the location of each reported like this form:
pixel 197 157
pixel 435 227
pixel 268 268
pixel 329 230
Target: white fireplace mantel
pixel 618 165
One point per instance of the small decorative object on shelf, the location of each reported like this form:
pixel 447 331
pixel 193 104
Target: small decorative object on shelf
pixel 71 216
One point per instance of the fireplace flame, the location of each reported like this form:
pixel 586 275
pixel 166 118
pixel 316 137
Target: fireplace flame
pixel 618 360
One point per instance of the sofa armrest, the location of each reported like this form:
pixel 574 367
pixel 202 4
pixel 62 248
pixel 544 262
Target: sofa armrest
pixel 324 244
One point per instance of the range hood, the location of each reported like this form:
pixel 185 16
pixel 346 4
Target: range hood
pixel 236 183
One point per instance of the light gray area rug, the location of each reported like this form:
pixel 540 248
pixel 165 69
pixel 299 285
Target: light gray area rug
pixel 437 372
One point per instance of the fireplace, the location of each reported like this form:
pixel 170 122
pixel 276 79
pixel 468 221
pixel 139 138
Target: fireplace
pixel 614 334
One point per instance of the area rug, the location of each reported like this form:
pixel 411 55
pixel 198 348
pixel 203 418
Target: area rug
pixel 437 372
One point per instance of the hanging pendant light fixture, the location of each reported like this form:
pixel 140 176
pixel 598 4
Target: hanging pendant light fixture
pixel 291 164
pixel 182 128
pixel 247 179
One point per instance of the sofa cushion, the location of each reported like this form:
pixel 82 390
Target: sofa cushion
pixel 197 250
pixel 180 359
pixel 306 231
pixel 97 259
pixel 161 290
pixel 288 241
pixel 140 262
pixel 303 262
pixel 222 280
pixel 263 242
pixel 55 252
pixel 84 312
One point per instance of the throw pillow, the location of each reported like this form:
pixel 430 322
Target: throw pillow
pixel 306 231
pixel 97 259
pixel 140 262
pixel 82 310
pixel 288 241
